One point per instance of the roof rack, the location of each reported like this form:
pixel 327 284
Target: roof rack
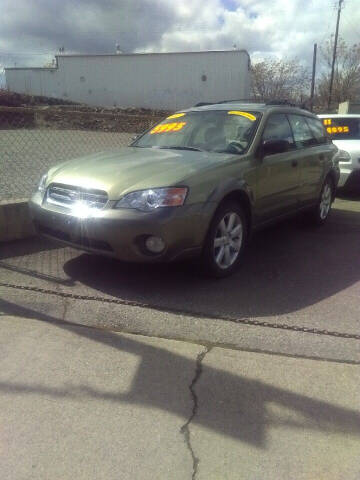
pixel 288 103
pixel 250 100
pixel 243 100
pixel 202 104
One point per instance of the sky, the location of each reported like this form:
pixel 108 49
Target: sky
pixel 31 31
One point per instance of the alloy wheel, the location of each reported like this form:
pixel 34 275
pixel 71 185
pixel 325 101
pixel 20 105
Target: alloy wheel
pixel 228 240
pixel 325 201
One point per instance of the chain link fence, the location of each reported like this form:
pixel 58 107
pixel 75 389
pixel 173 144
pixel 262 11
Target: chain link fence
pixel 34 139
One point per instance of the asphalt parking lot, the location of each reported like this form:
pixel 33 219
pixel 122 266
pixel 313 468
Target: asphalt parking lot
pixel 293 276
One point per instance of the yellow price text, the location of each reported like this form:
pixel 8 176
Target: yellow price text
pixel 247 115
pixel 176 115
pixel 168 127
pixel 332 130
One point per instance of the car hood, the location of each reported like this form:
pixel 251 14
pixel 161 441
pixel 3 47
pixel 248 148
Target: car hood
pixel 350 146
pixel 128 169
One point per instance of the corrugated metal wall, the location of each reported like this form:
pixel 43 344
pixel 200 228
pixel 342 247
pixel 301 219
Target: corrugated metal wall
pixel 161 81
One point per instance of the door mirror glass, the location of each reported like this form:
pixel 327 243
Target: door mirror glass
pixel 271 147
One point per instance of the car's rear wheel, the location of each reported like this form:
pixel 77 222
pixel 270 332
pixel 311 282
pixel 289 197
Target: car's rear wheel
pixel 225 241
pixel 320 213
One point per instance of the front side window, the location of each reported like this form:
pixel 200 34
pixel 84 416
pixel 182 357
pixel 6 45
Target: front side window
pixel 343 128
pixel 218 131
pixel 302 134
pixel 278 128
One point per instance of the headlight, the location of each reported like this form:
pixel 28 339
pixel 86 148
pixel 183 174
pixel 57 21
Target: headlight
pixel 42 185
pixel 343 156
pixel 148 200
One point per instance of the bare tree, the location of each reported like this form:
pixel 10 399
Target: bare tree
pixel 280 79
pixel 346 76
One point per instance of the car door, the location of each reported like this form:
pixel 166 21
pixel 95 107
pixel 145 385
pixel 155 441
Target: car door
pixel 311 158
pixel 277 174
pixel 326 151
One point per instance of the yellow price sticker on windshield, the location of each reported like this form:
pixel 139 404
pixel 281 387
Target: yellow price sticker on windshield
pixel 168 127
pixel 340 129
pixel 176 115
pixel 247 115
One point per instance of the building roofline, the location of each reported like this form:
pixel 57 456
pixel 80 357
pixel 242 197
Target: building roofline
pixel 91 55
pixel 30 68
pixel 148 53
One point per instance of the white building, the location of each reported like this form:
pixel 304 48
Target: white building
pixel 155 80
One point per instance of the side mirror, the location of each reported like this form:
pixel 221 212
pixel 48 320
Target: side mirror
pixel 271 147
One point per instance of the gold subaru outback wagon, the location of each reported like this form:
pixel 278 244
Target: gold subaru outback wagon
pixel 196 184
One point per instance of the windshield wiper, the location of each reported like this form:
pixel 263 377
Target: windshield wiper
pixel 175 147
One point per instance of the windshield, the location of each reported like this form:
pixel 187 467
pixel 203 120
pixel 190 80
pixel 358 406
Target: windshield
pixel 343 128
pixel 226 131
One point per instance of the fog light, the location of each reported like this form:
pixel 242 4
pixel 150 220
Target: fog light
pixel 155 244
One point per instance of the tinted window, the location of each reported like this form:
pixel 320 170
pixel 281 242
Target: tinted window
pixel 301 130
pixel 343 128
pixel 318 130
pixel 278 128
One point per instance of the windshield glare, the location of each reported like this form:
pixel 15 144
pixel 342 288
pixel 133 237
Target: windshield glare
pixel 212 131
pixel 343 128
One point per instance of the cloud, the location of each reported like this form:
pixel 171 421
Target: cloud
pixel 81 26
pixel 278 28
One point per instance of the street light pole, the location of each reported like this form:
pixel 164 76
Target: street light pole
pixel 334 54
pixel 313 78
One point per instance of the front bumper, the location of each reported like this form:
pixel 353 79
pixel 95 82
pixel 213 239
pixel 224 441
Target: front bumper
pixel 121 232
pixel 349 177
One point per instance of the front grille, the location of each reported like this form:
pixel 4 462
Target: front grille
pixel 81 241
pixel 68 196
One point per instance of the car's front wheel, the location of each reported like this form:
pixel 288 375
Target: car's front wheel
pixel 225 241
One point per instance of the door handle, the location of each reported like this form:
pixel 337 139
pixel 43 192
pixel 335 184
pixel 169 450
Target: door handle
pixel 294 163
pixel 322 157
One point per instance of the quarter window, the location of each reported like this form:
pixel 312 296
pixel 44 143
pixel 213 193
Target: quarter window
pixel 302 134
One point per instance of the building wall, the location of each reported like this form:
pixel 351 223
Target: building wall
pixel 163 81
pixel 349 107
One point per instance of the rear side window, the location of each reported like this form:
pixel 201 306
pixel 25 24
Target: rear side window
pixel 278 128
pixel 318 130
pixel 302 134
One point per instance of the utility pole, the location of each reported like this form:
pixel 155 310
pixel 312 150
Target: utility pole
pixel 334 54
pixel 313 78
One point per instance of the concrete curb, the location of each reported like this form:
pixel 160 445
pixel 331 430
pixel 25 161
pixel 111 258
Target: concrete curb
pixel 15 222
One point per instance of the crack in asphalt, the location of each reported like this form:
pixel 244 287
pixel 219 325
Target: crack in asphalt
pixel 185 429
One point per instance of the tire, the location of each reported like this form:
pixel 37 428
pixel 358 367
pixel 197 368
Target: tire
pixel 226 240
pixel 320 213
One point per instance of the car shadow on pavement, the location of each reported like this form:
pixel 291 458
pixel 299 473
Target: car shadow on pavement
pixel 286 268
pixel 23 257
pixel 229 404
pixel 28 246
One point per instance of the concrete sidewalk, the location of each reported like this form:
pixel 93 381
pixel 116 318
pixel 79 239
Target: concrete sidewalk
pixel 81 403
